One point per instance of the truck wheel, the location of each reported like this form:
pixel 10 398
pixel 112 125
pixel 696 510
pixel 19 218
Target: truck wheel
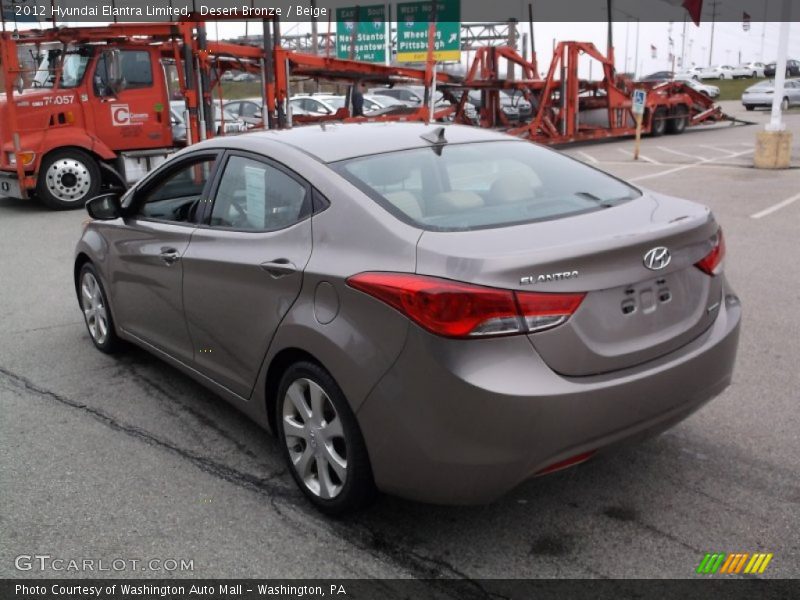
pixel 659 122
pixel 67 179
pixel 677 124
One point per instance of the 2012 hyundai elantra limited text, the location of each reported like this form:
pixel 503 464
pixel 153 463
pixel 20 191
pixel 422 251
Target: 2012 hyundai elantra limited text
pixel 435 312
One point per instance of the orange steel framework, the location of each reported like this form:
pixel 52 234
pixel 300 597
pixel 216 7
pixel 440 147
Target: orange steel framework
pixel 565 108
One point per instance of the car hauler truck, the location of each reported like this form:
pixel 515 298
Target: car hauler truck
pixel 86 107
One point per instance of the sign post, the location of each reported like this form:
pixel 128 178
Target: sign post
pixel 639 98
pixel 413 21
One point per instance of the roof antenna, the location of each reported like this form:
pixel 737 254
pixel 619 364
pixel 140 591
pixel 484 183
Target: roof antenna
pixel 436 137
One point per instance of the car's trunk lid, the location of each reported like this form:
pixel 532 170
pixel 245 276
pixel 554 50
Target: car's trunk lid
pixel 630 314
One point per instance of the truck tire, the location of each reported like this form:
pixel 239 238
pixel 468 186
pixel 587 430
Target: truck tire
pixel 67 179
pixel 677 124
pixel 658 123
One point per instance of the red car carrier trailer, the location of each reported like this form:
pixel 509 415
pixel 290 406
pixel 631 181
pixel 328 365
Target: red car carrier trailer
pixel 89 107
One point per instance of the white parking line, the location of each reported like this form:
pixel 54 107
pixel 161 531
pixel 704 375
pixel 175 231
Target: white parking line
pixel 588 157
pixel 642 156
pixel 679 153
pixel 684 167
pixel 775 207
pixel 728 152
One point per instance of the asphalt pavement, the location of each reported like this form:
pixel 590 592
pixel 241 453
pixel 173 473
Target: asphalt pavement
pixel 126 458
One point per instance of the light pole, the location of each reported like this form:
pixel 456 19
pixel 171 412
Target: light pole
pixel 774 144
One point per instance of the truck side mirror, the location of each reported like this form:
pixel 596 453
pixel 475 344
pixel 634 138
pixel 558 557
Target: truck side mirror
pixel 113 59
pixel 105 207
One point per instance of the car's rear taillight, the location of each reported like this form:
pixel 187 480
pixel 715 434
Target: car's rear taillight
pixel 462 310
pixel 712 262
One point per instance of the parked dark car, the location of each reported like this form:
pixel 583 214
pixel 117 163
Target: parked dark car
pixel 659 76
pixel 792 69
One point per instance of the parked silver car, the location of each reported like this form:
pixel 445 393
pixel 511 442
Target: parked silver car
pixel 762 93
pixel 438 312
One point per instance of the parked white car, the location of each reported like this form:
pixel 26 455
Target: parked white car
pixel 232 123
pixel 762 93
pixel 690 73
pixel 751 69
pixel 711 91
pixel 717 72
pixel 312 105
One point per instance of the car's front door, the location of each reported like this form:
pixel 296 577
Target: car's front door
pixel 147 255
pixel 243 269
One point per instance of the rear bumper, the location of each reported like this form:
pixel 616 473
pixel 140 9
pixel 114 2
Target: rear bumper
pixel 465 421
pixel 9 185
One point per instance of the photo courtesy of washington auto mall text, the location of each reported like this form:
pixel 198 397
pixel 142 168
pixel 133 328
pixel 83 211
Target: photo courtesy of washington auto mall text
pixel 399 299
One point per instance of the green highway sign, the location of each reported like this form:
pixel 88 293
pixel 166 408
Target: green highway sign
pixel 361 33
pixel 413 19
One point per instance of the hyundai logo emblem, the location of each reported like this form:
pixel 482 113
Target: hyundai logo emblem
pixel 657 258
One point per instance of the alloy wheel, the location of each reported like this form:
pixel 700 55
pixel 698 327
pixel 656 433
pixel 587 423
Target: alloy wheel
pixel 315 438
pixel 94 309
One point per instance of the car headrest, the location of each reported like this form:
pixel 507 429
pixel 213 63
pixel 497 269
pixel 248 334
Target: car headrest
pixel 406 202
pixel 511 188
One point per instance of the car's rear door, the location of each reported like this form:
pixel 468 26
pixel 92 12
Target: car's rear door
pixel 244 267
pixel 147 254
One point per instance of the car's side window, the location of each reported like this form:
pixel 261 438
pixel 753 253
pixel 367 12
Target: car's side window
pixel 255 196
pixel 249 109
pixel 175 197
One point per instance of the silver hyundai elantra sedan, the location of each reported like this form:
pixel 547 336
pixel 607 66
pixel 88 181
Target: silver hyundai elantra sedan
pixel 434 312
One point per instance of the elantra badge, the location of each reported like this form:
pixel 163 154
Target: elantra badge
pixel 532 279
pixel 657 258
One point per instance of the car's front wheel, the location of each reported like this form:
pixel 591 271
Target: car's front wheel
pixel 96 311
pixel 321 440
pixel 749 107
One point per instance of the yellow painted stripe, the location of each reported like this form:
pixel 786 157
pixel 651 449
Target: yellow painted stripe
pixel 727 563
pixel 741 562
pixel 761 558
pixel 749 567
pixel 765 563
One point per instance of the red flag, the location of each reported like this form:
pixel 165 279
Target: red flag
pixel 694 7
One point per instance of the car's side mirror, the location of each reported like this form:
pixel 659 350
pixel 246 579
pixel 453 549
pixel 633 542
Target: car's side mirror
pixel 105 207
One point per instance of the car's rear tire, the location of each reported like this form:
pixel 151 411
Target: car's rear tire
pixel 67 179
pixel 321 440
pixel 677 124
pixel 658 126
pixel 785 104
pixel 96 310
pixel 749 107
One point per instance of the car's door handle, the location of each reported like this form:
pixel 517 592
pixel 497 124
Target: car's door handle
pixel 170 256
pixel 279 267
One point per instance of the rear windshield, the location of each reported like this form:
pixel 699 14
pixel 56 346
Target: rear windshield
pixel 482 185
